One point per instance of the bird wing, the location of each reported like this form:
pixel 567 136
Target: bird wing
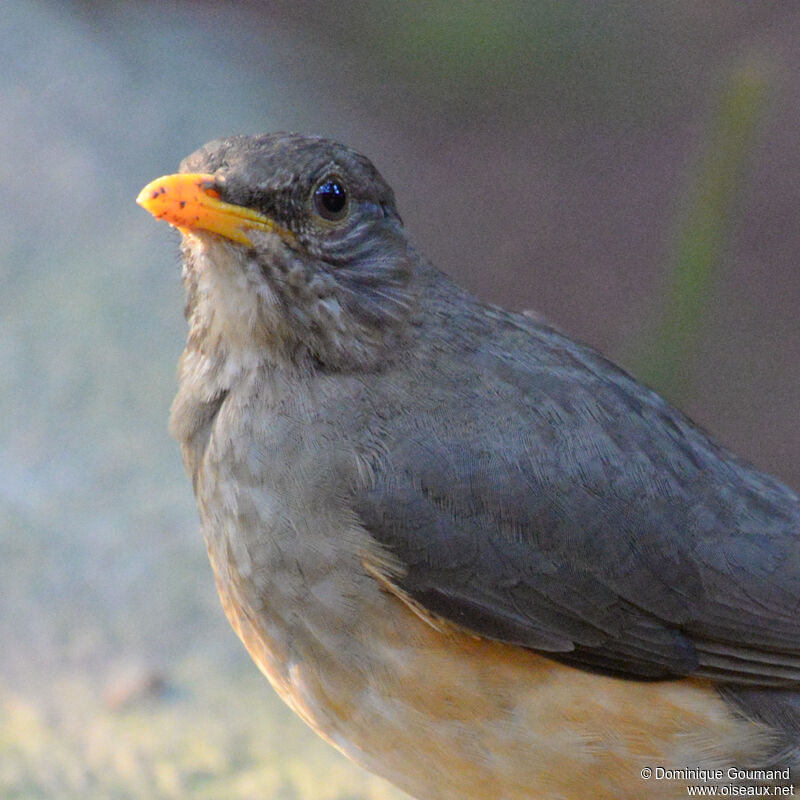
pixel 556 504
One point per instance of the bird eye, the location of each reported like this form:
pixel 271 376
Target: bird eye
pixel 330 199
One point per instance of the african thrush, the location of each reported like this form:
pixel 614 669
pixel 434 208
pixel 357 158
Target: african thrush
pixel 475 556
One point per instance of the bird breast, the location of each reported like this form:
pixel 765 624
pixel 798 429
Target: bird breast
pixel 440 713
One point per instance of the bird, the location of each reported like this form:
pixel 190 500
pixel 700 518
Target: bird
pixel 474 555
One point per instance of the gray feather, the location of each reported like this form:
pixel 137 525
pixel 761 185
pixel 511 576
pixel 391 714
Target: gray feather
pixel 557 504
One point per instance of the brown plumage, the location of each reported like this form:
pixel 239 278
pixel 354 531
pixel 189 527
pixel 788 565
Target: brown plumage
pixel 473 555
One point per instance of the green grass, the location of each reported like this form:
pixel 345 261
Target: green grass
pixel 696 264
pixel 212 733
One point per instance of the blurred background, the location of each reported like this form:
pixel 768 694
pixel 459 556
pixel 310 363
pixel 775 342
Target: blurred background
pixel 628 170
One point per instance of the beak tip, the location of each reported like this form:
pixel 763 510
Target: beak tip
pixel 151 193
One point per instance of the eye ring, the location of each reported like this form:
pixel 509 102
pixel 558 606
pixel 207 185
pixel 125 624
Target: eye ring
pixel 330 198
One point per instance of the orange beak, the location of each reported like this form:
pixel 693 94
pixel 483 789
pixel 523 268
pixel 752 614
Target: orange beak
pixel 190 202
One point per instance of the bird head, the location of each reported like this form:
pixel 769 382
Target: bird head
pixel 293 251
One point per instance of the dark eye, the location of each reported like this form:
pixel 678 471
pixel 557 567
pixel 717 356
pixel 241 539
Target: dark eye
pixel 330 199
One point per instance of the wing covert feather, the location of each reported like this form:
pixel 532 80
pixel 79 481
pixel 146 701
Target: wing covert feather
pixel 561 506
